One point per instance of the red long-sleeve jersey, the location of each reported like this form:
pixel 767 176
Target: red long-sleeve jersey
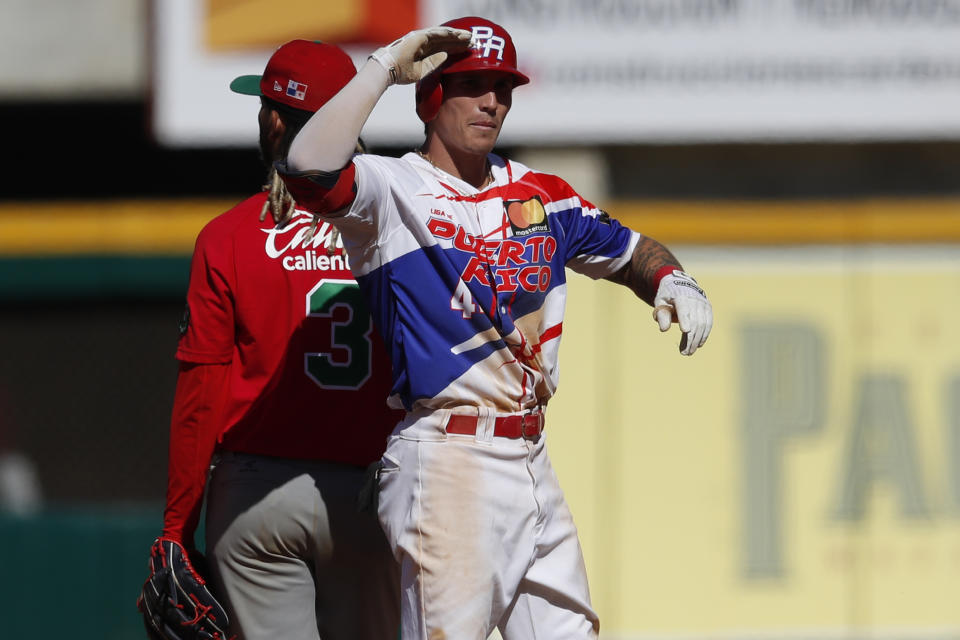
pixel 279 356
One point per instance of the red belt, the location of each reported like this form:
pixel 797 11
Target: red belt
pixel 528 425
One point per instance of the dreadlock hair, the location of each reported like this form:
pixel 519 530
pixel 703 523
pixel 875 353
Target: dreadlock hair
pixel 279 202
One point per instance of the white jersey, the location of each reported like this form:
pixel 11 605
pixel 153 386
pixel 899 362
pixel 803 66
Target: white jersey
pixel 468 286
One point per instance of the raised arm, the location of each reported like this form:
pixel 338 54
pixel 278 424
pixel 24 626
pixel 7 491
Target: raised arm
pixel 326 143
pixel 656 277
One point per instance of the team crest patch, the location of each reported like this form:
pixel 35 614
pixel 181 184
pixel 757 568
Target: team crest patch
pixel 526 216
pixel 296 90
pixel 184 320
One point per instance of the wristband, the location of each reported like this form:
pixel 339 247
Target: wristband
pixel 663 272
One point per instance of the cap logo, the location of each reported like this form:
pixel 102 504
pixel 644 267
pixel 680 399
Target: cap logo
pixel 276 86
pixel 486 43
pixel 296 90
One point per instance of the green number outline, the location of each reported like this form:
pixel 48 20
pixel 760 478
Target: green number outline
pixel 352 335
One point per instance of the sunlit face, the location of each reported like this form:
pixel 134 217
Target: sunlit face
pixel 474 106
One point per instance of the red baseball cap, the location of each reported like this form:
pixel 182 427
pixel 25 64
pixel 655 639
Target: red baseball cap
pixel 301 74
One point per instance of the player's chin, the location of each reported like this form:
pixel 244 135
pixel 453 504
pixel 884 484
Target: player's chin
pixel 484 139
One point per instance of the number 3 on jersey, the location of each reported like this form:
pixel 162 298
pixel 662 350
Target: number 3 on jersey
pixel 350 327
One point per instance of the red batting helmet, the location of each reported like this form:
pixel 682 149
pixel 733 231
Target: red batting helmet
pixel 301 74
pixel 491 50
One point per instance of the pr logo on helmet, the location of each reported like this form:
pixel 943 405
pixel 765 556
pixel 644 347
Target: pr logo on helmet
pixel 487 43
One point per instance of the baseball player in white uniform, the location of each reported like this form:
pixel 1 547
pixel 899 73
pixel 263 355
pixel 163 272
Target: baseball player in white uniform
pixel 461 256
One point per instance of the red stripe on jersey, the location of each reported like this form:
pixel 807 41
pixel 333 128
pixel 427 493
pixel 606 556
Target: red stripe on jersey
pixel 548 187
pixel 502 229
pixel 457 195
pixel 550 334
pixel 546 336
pixel 544 184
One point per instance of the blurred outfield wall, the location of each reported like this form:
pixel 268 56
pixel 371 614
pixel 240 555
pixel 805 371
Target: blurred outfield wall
pixel 797 478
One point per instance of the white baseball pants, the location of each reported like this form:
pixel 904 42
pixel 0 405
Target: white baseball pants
pixel 483 535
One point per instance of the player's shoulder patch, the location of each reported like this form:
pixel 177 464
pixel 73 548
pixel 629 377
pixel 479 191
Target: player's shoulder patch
pixel 184 320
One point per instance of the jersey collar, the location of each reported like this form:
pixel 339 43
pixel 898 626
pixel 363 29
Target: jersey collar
pixel 498 167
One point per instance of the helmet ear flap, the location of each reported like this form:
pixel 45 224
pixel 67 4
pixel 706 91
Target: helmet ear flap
pixel 429 96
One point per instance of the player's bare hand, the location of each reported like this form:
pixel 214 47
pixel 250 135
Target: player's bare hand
pixel 419 52
pixel 680 299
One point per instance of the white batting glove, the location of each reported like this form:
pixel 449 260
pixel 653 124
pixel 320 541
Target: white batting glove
pixel 419 52
pixel 680 299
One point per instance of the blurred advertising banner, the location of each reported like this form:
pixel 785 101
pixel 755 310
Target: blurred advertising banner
pixel 616 71
pixel 798 477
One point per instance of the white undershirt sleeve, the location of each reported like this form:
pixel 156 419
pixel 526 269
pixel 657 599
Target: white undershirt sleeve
pixel 328 140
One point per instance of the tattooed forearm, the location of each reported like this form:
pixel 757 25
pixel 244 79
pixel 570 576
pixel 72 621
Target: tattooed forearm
pixel 647 259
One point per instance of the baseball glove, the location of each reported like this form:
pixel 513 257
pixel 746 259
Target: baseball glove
pixel 175 601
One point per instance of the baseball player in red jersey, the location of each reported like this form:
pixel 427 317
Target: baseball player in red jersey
pixel 462 256
pixel 282 383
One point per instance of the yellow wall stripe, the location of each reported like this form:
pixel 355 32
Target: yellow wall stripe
pixel 164 227
pixel 115 226
pixel 786 223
